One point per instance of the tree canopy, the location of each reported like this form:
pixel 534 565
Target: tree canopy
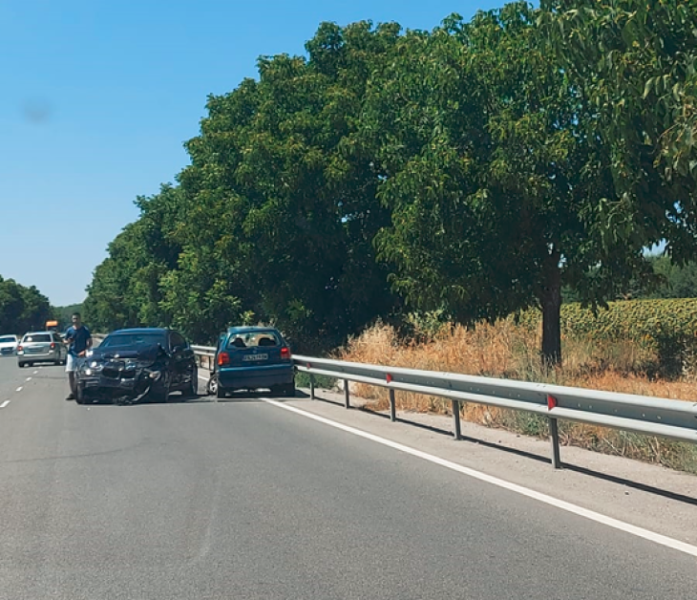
pixel 477 169
pixel 22 308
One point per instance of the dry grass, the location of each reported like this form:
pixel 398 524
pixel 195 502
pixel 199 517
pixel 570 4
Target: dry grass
pixel 509 351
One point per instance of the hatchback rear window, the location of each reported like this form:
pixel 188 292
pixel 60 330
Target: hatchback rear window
pixel 37 337
pixel 253 339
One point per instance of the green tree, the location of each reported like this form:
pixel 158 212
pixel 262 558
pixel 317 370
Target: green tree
pixel 493 174
pixel 634 60
pixel 22 308
pixel 126 287
pixel 281 196
pixel 671 281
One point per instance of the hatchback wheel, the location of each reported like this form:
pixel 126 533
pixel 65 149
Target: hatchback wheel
pixel 212 387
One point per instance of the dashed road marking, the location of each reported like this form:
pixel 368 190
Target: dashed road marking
pixel 4 404
pixel 19 389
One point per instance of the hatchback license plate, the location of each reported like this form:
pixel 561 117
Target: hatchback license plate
pixel 255 357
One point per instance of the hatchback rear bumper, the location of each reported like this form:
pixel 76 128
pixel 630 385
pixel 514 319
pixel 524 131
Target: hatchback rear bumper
pixel 238 378
pixel 52 355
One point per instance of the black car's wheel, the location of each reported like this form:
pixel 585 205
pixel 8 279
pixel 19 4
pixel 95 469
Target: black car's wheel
pixel 80 395
pixel 191 390
pixel 160 394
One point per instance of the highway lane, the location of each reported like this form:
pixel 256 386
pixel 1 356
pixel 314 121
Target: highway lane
pixel 12 377
pixel 240 499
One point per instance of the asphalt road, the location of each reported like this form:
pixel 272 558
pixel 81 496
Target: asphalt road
pixel 240 499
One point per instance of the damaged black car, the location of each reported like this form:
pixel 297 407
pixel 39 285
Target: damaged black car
pixel 134 364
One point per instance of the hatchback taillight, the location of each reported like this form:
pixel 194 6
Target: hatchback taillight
pixel 223 359
pixel 19 348
pixel 285 353
pixel 53 345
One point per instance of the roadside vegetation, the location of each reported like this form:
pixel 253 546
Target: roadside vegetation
pixel 22 308
pixel 509 350
pixel 481 168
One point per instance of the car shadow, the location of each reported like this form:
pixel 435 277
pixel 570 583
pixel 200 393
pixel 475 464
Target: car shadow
pixel 256 396
pixel 174 398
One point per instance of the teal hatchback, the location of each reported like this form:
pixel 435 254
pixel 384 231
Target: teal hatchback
pixel 253 358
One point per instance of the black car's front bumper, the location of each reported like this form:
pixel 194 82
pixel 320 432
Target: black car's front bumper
pixel 112 383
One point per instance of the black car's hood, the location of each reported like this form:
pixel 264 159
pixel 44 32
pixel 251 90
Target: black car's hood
pixel 139 353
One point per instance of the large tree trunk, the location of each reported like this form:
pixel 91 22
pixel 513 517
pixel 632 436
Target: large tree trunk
pixel 551 316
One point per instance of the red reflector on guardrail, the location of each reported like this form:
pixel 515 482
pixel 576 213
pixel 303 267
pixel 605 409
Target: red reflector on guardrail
pixel 551 402
pixel 388 377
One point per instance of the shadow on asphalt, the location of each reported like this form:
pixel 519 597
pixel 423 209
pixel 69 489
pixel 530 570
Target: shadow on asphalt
pixel 257 397
pixel 536 457
pixel 632 484
pixel 177 398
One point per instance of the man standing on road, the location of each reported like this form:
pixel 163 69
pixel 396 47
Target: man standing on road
pixel 78 339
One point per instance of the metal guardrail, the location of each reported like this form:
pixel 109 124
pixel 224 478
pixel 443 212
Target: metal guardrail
pixel 673 419
pixel 653 416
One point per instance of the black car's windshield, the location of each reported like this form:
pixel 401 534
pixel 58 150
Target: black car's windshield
pixel 133 339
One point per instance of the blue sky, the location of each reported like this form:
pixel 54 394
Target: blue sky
pixel 98 97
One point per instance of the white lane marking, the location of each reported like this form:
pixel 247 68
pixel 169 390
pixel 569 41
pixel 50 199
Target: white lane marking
pixel 19 389
pixel 35 373
pixel 518 489
pixel 28 378
pixel 203 377
pixel 4 404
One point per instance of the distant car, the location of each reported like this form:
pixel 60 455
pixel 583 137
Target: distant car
pixel 8 344
pixel 252 358
pixel 41 346
pixel 131 364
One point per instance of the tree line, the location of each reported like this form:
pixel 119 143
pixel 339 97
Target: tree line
pixel 478 169
pixel 22 308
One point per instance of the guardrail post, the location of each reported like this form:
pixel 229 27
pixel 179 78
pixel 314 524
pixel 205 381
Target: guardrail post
pixel 393 409
pixel 456 419
pixel 312 386
pixel 347 402
pixel 554 435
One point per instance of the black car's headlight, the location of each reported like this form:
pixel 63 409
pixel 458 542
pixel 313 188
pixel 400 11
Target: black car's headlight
pixel 91 367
